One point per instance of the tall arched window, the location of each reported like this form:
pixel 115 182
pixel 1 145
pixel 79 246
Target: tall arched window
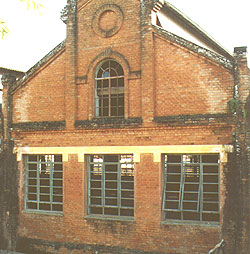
pixel 109 92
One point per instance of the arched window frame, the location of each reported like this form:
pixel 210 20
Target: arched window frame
pixel 109 89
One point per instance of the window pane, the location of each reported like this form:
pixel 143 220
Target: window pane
pixel 45 206
pixel 120 82
pixel 96 210
pixel 120 111
pixel 111 158
pixel 213 158
pixel 113 73
pixel 127 212
pixel 194 216
pixel 173 169
pixel 32 197
pixel 211 217
pixel 32 158
pixel 96 201
pixel 110 202
pixel 31 205
pixel 57 207
pixel 173 158
pixel 173 215
pixel 111 211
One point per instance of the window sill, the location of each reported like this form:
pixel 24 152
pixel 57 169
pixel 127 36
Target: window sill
pixel 109 218
pixel 190 223
pixel 49 213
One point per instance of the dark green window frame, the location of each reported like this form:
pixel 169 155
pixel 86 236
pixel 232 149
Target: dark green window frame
pixel 44 183
pixel 111 185
pixel 191 187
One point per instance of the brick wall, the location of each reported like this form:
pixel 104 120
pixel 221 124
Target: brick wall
pixel 187 83
pixel 144 233
pixel 41 97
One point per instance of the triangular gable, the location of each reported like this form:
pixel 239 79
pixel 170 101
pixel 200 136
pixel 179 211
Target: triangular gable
pixel 59 48
pixel 173 20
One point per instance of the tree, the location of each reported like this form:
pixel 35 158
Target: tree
pixel 35 4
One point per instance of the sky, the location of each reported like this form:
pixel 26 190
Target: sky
pixel 33 35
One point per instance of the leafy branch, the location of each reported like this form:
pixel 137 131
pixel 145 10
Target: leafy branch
pixel 29 3
pixel 37 6
pixel 3 29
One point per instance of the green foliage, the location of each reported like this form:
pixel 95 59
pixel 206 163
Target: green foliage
pixel 233 105
pixel 36 5
pixel 244 113
pixel 3 29
pixel 29 3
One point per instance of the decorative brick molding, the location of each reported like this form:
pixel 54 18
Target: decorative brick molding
pixel 111 13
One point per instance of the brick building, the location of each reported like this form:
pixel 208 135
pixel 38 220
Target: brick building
pixel 129 138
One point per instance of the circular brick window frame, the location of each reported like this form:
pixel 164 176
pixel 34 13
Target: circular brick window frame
pixel 117 24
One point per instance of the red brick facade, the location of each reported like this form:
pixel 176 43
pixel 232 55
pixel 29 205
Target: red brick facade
pixel 175 101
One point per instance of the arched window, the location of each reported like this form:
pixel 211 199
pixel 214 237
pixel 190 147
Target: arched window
pixel 109 92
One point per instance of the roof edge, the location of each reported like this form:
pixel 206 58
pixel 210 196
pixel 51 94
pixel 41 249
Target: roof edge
pixel 195 28
pixel 39 64
pixel 220 59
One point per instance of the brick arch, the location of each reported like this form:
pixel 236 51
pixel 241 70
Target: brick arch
pixel 108 54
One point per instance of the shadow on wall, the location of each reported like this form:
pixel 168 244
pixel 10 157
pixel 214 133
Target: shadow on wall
pixel 9 204
pixel 1 91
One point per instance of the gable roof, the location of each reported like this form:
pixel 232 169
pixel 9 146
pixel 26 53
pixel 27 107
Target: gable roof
pixel 187 24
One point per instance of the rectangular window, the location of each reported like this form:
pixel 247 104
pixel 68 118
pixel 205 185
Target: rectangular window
pixel 191 187
pixel 44 183
pixel 111 185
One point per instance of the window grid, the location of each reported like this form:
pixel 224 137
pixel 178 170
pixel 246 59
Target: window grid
pixel 111 185
pixel 191 187
pixel 44 183
pixel 109 94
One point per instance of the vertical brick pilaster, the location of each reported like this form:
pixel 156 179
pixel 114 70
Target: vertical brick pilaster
pixel 148 191
pixel 7 81
pixel 242 79
pixel 71 65
pixel 242 73
pixel 147 62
